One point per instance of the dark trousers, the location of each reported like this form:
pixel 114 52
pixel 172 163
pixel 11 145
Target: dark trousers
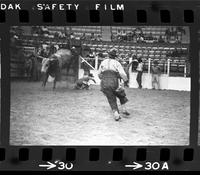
pixel 109 84
pixel 112 96
pixel 139 78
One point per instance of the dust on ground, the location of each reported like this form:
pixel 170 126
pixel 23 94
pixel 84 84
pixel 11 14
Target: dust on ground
pixel 83 117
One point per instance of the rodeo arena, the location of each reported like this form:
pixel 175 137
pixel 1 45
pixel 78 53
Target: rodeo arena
pixel 0 88
pixel 100 85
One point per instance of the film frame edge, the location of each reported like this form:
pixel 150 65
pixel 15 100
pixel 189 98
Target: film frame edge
pixel 193 130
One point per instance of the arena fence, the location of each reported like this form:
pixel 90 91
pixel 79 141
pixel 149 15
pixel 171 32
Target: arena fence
pixel 166 81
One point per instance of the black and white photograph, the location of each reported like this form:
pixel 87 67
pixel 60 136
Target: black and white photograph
pixel 100 85
pixel 0 90
pixel 199 104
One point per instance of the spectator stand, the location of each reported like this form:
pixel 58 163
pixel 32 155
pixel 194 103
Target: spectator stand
pixel 171 57
pixel 168 45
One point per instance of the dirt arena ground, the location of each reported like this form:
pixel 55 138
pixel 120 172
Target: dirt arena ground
pixel 73 117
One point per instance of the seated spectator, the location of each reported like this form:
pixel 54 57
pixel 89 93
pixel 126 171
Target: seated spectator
pixel 92 37
pixel 83 37
pixel 138 32
pixel 140 39
pixel 119 32
pixel 112 37
pixel 56 35
pixel 119 35
pixel 124 35
pixel 167 34
pixel 99 38
pixel 130 36
pixel 72 36
pixel 45 31
pixel 161 40
pixel 151 36
pixel 67 35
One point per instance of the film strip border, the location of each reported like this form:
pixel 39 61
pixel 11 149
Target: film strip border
pixel 98 159
pixel 106 158
pixel 142 13
pixel 94 16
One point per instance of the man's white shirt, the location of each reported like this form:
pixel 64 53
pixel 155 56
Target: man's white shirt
pixel 114 65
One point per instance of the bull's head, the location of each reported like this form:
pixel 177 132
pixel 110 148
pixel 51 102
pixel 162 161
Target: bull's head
pixel 49 65
pixel 45 65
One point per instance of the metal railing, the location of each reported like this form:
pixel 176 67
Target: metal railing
pixel 94 63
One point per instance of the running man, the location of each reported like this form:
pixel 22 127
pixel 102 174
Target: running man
pixel 110 71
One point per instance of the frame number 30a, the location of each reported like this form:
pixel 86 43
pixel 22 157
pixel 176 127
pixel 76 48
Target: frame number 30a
pixel 156 166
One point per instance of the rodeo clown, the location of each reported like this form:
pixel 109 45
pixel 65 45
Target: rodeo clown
pixel 110 73
pixel 83 83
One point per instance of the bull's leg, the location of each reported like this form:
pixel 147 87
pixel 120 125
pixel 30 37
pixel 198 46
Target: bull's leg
pixel 68 67
pixel 29 75
pixel 45 78
pixel 54 83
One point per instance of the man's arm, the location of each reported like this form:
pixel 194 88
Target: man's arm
pixel 100 71
pixel 128 67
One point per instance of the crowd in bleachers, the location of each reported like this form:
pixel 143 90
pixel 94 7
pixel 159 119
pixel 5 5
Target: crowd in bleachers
pixel 66 33
pixel 178 55
pixel 118 34
pixel 148 34
pixel 156 43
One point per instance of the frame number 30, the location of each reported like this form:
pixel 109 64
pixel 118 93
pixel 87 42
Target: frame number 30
pixel 63 166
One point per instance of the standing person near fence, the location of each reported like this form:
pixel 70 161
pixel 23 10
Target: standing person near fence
pixel 139 72
pixel 156 71
pixel 133 64
pixel 110 71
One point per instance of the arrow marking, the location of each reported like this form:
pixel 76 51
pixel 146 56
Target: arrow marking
pixel 134 166
pixel 48 166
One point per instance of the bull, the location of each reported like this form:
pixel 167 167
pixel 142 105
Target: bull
pixel 52 66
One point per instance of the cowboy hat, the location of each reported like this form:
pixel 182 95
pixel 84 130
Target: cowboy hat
pixel 113 52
